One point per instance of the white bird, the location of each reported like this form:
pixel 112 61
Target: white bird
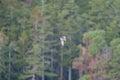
pixel 62 41
pixel 64 38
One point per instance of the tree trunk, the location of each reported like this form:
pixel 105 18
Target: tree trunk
pixel 80 73
pixel 43 78
pixel 92 65
pixel 52 66
pixel 9 54
pixel 0 64
pixel 43 71
pixel 9 65
pixel 69 73
pixel 61 69
pixel 43 24
pixel 33 77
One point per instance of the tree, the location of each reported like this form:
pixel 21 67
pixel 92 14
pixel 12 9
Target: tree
pixel 112 69
pixel 91 51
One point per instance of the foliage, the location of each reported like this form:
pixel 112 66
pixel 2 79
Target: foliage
pixel 95 37
pixel 30 32
pixel 112 70
pixel 85 77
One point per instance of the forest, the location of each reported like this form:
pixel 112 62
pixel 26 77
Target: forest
pixel 59 39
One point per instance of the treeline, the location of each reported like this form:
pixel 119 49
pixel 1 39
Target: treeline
pixel 59 39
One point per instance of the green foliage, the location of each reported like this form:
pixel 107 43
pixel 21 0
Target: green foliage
pixel 97 41
pixel 34 30
pixel 85 77
pixel 113 72
pixel 115 45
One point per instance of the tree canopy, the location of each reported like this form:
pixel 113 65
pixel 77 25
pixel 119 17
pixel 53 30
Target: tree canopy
pixel 59 40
